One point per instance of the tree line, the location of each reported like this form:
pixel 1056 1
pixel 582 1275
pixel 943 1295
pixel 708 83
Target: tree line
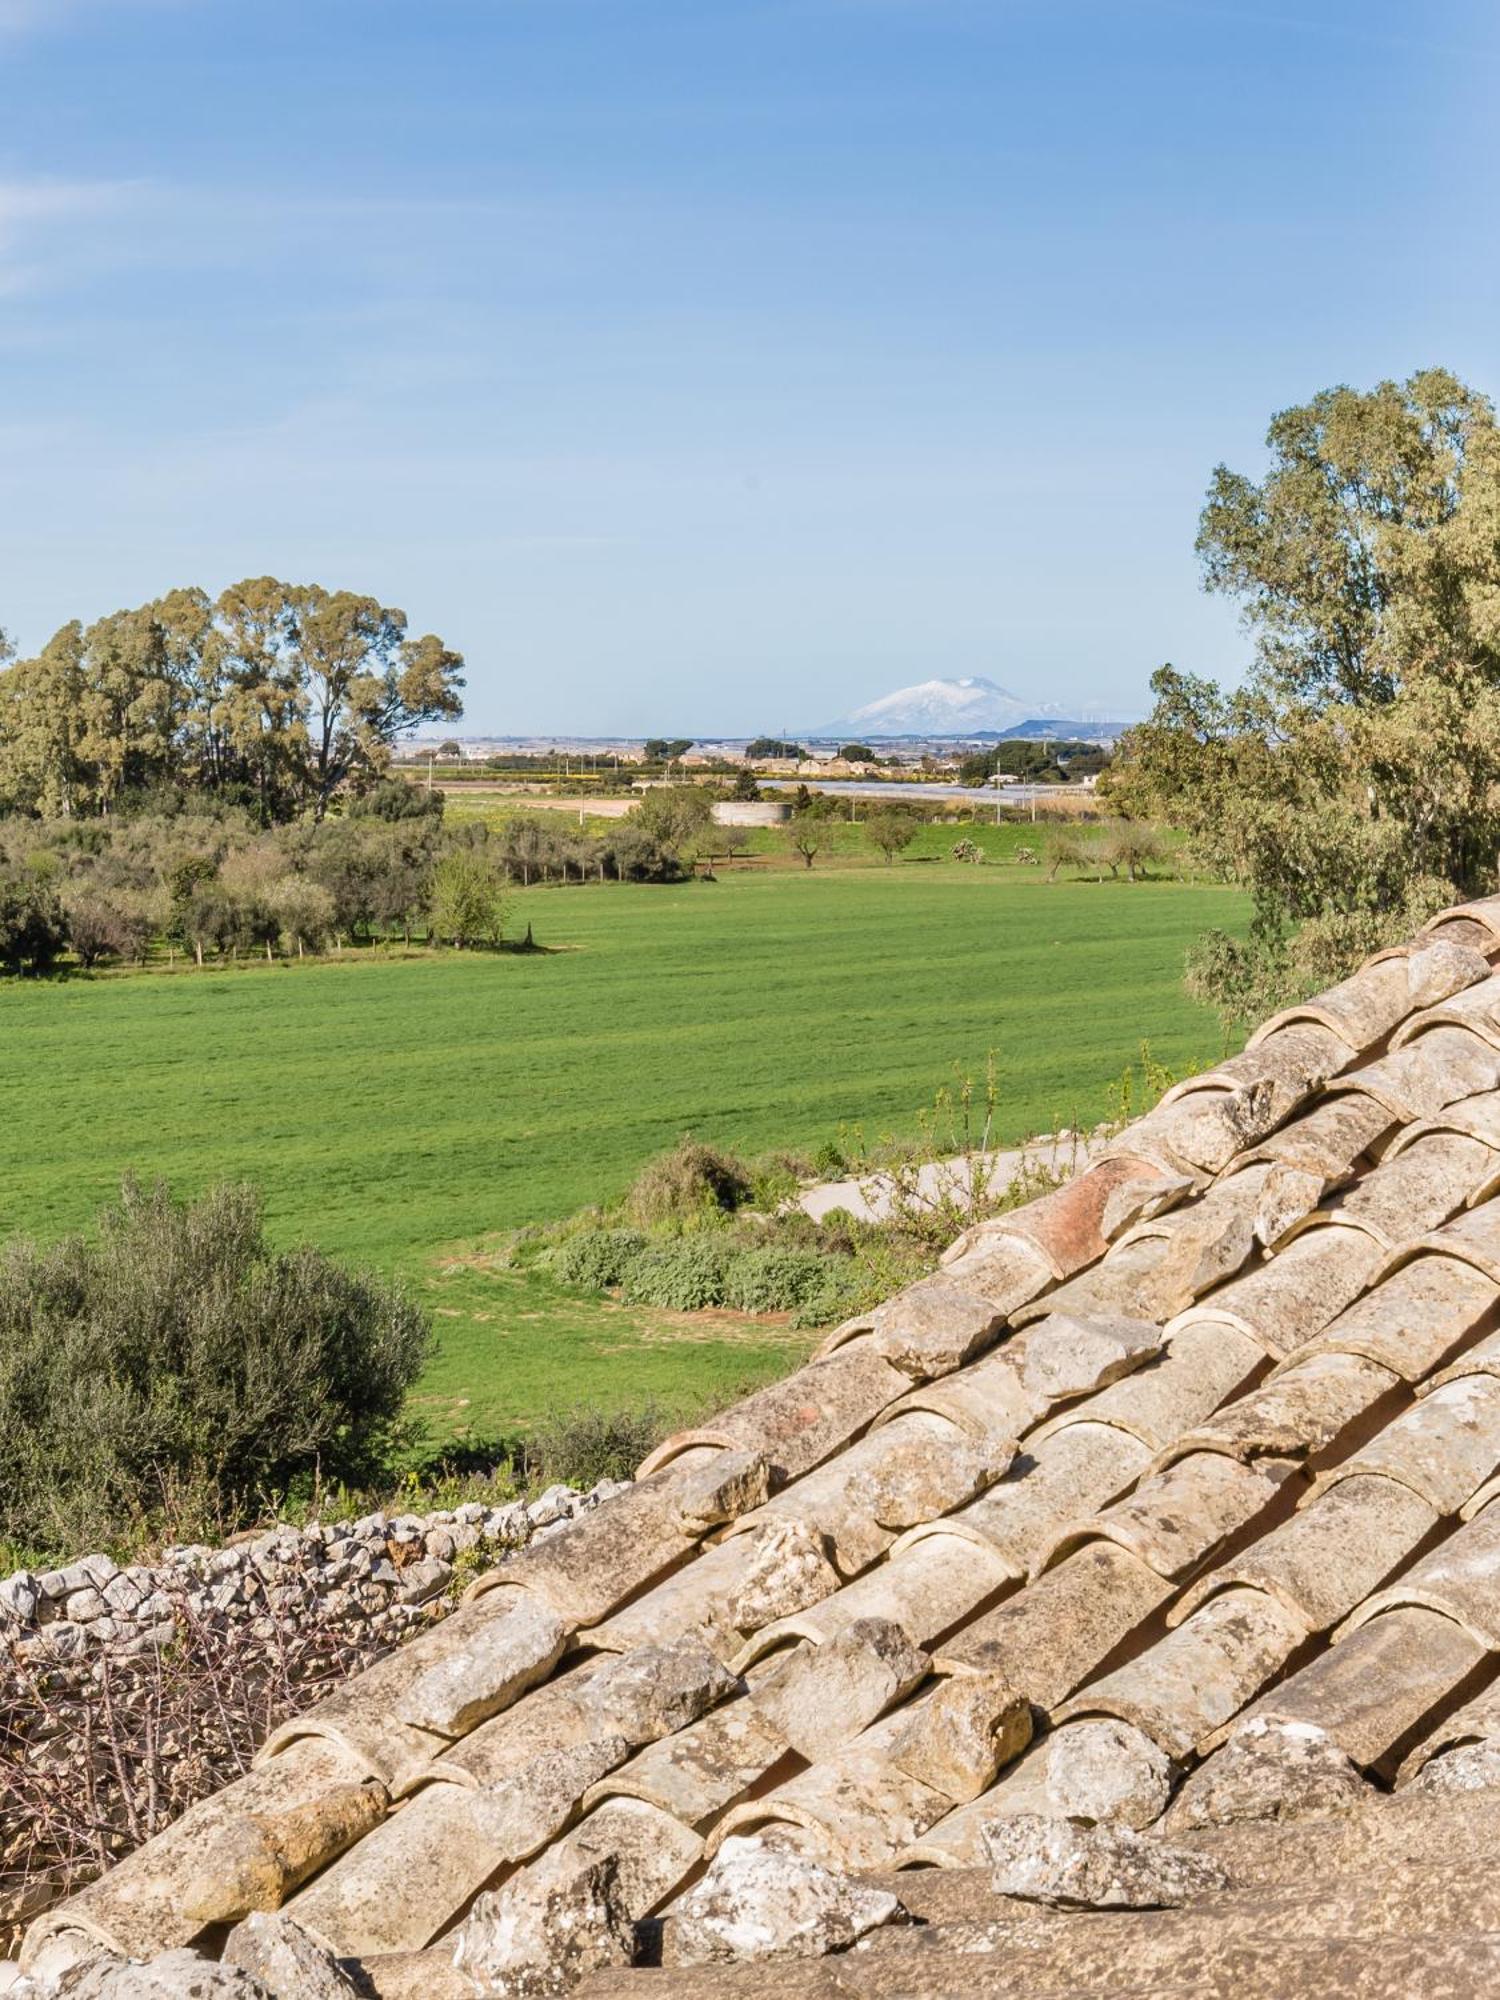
pixel 203 876
pixel 273 695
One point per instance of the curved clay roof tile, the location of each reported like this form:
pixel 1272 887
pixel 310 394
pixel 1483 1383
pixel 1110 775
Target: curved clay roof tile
pixel 1460 1579
pixel 1297 1413
pixel 1177 1520
pixel 1200 1367
pixel 1443 1448
pixel 1372 1690
pixel 1330 1554
pixel 1199 1677
pixel 1363 1009
pixel 1476 1008
pixel 1412 1320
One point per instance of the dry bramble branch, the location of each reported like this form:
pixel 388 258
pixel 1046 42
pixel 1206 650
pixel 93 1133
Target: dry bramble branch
pixel 96 1756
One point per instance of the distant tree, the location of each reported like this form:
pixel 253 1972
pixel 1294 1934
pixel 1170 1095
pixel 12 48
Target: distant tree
pixel 667 749
pixel 253 923
pixel 278 692
pixel 745 787
pixel 802 800
pixel 675 815
pixel 304 912
pixel 403 853
pixel 450 750
pixel 466 905
pixel 857 753
pixel 344 856
pixel 207 921
pixel 42 766
pixel 892 832
pixel 393 799
pixel 102 925
pixel 733 840
pixel 364 683
pixel 32 927
pixel 1048 763
pixel 1067 848
pixel 633 853
pixel 773 746
pixel 1129 845
pixel 806 834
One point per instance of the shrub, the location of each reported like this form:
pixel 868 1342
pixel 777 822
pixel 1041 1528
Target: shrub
pixel 777 1178
pixel 1027 857
pixel 104 927
pixel 775 1280
pixel 689 1184
pixel 594 1259
pixel 685 1274
pixel 177 1369
pixel 884 1265
pixel 968 850
pixel 32 927
pixel 580 1447
pixel 829 1162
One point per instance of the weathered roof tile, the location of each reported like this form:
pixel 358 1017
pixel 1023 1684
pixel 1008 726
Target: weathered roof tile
pixel 1201 1675
pixel 1373 1690
pixel 1323 1560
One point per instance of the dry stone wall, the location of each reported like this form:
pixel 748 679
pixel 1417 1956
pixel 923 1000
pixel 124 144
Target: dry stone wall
pixel 379 1575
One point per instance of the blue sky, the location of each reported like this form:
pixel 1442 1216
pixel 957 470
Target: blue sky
pixel 714 365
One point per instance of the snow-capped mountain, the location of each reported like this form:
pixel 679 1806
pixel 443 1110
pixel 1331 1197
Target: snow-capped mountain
pixel 972 706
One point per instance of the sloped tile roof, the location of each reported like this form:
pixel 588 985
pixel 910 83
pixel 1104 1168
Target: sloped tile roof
pixel 1210 1433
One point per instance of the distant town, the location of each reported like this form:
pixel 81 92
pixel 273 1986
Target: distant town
pixel 938 728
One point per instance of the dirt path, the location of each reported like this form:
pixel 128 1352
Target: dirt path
pixel 871 1197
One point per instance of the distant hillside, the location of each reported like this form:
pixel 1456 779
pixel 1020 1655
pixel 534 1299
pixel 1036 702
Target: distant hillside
pixel 971 707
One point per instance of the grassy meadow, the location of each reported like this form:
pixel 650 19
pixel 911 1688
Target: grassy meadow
pixel 403 1113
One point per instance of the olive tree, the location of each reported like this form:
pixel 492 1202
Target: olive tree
pixel 805 833
pixel 174 1369
pixel 892 831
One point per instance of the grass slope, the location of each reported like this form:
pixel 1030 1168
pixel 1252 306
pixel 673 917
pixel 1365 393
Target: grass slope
pixel 390 1109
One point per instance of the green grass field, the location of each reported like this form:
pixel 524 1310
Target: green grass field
pixel 398 1114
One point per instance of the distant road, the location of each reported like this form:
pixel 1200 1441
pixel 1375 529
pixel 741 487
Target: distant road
pixel 615 806
pixel 875 788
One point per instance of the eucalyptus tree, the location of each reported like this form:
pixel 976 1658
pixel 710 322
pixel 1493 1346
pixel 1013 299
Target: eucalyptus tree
pixel 1352 784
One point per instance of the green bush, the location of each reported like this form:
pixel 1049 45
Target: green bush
pixel 595 1259
pixel 829 1162
pixel 580 1447
pixel 33 929
pixel 853 1284
pixel 775 1280
pixel 690 1184
pixel 684 1274
pixel 175 1371
pixel 777 1178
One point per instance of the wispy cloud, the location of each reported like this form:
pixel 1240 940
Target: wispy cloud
pixel 36 17
pixel 43 223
